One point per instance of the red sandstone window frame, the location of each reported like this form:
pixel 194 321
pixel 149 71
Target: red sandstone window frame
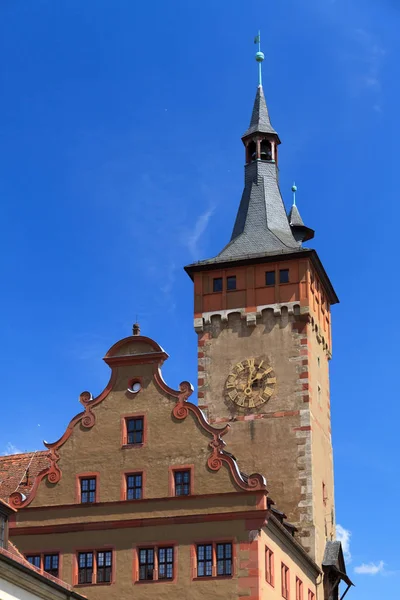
pixel 124 485
pixel 94 551
pixel 124 430
pixel 91 475
pixel 269 566
pixel 299 589
pixel 42 554
pixel 285 581
pixel 311 595
pixel 155 546
pixel 171 477
pixel 213 543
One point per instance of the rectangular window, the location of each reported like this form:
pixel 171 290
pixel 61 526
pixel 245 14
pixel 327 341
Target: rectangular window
pixel 299 589
pixel 50 564
pixel 182 483
pixel 85 567
pixel 214 560
pixel 217 284
pixel 311 595
pixel 284 276
pixel 231 283
pixel 166 563
pixel 34 559
pixel 204 560
pixel 104 566
pixel 224 559
pixel 88 489
pixel 156 563
pixel 146 564
pixel 270 278
pixel 134 431
pixel 3 521
pixel 285 581
pixel 269 566
pixel 134 486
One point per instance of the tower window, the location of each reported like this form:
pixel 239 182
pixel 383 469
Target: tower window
pixel 251 152
pixel 266 150
pixel 217 284
pixel 284 276
pixel 270 278
pixel 231 283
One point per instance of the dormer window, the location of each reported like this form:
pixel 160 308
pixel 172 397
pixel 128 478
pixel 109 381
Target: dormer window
pixel 266 150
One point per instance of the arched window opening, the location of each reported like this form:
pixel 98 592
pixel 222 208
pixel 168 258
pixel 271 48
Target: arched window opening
pixel 266 150
pixel 251 152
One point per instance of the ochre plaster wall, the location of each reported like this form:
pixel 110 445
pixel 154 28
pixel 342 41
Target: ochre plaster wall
pixel 169 443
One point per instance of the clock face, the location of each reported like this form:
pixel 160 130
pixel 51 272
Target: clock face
pixel 251 383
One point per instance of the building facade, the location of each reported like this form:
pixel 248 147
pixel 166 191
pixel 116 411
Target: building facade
pixel 148 494
pixel 19 579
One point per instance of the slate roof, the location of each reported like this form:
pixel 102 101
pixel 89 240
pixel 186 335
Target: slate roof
pixel 261 223
pixel 13 470
pixel 294 217
pixel 334 559
pixel 260 121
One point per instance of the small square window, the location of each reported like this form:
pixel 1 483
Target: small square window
pixel 134 431
pixel 88 490
pixel 270 278
pixel 284 276
pixel 231 283
pixel 182 483
pixel 217 284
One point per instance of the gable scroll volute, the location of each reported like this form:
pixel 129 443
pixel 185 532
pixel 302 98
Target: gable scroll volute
pixel 218 455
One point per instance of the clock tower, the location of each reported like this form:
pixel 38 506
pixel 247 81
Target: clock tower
pixel 263 319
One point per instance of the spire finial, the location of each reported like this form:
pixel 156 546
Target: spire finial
pixel 136 328
pixel 294 190
pixel 259 57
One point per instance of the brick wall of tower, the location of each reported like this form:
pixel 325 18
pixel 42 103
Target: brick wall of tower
pixel 288 438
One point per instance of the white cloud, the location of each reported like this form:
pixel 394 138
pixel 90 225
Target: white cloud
pixel 11 449
pixel 343 535
pixel 370 568
pixel 200 226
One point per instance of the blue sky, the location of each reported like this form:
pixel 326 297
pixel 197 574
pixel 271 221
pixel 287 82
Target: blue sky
pixel 121 161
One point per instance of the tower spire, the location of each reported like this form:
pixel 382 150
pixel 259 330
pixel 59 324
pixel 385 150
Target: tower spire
pixel 259 58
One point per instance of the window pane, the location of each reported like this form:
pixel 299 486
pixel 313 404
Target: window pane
pixel 270 278
pixel 217 284
pixel 284 276
pixel 231 283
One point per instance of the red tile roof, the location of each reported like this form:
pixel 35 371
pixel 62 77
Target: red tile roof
pixel 15 555
pixel 14 468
